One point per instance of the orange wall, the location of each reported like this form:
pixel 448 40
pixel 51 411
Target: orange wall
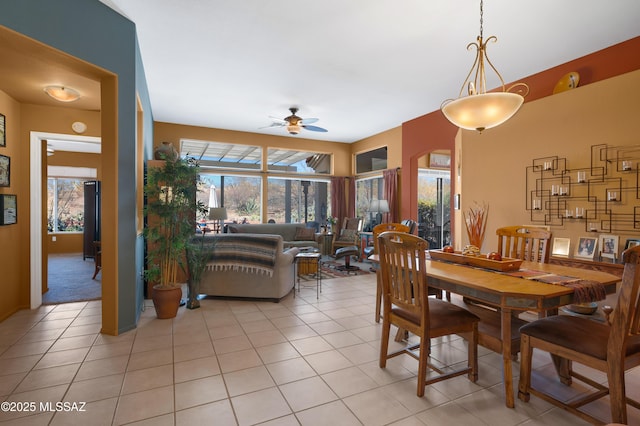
pixel 433 131
pixel 14 250
pixel 565 125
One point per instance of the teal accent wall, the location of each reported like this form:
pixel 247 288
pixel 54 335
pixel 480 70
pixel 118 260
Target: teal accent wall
pixel 89 30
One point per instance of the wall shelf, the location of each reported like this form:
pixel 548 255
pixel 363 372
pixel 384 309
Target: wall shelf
pixel 605 194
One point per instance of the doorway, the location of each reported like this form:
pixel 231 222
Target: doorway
pixel 39 235
pixel 434 199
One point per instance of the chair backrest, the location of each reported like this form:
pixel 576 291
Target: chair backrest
pixel 354 223
pixel 625 319
pixel 411 224
pixel 384 227
pixel 524 242
pixel 402 257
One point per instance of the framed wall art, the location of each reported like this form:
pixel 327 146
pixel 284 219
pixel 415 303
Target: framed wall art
pixel 4 170
pixel 609 246
pixel 3 132
pixel 439 161
pixel 8 209
pixel 586 247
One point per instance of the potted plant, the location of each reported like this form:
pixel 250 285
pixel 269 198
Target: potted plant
pixel 171 210
pixel 198 254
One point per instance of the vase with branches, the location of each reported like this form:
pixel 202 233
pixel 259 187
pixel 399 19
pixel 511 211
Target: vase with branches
pixel 475 220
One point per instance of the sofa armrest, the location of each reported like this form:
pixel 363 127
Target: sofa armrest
pixel 289 254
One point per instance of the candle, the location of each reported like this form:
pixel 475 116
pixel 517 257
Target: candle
pixel 568 213
pixel 579 211
pixel 555 189
pixel 626 165
pixel 593 226
pixel 547 165
pixel 536 204
pixel 612 195
pixel 582 177
pixel 563 190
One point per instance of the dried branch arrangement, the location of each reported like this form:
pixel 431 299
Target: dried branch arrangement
pixel 475 220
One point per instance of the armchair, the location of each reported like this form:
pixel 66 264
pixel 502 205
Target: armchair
pixel 348 235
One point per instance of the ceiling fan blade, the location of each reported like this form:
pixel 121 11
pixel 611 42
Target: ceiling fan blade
pixel 314 128
pixel 278 120
pixel 273 125
pixel 308 120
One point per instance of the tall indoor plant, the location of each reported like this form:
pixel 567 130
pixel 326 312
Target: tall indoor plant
pixel 171 210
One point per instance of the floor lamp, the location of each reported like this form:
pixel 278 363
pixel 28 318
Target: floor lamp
pixel 218 215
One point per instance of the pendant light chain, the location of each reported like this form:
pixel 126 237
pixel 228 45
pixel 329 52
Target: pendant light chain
pixel 481 18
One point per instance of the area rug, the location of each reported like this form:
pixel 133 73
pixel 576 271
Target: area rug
pixel 329 269
pixel 69 279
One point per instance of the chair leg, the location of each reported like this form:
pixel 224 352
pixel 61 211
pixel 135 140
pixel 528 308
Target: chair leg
pixel 378 295
pixel 526 353
pixel 423 362
pixel 617 394
pixel 384 342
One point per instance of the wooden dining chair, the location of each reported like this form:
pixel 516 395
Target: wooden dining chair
pixel 407 306
pixel 612 347
pixel 524 242
pixel 377 230
pixel 519 242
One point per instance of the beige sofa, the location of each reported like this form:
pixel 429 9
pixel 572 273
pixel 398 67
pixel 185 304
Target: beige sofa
pixel 293 234
pixel 248 265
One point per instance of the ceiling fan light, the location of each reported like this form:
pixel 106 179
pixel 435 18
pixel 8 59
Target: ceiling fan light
pixel 294 129
pixel 62 93
pixel 484 111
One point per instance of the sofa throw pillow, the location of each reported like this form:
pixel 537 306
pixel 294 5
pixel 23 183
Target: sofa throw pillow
pixel 305 234
pixel 348 235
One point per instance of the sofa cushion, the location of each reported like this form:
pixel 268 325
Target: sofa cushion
pixel 304 234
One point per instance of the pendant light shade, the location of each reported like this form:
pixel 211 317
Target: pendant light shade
pixel 480 110
pixel 484 111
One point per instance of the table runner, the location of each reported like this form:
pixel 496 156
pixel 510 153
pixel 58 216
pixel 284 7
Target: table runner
pixel 584 291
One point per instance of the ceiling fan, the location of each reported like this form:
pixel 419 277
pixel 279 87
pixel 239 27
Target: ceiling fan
pixel 293 123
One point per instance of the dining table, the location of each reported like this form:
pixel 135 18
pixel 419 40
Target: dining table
pixel 511 293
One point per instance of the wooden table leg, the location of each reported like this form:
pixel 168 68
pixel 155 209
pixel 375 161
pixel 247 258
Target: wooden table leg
pixel 506 357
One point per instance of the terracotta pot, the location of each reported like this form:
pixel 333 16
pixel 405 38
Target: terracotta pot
pixel 166 300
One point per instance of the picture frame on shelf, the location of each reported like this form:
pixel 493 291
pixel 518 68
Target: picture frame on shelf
pixel 632 242
pixel 586 247
pixel 3 130
pixel 8 209
pixel 5 162
pixel 561 247
pixel 609 246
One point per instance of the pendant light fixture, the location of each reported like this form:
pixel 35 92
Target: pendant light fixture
pixel 480 110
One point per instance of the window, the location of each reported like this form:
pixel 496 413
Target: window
pixel 288 161
pixel 65 197
pixel 241 195
pixel 293 200
pixel 434 212
pixel 368 190
pixel 371 161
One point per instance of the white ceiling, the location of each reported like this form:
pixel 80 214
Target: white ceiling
pixel 360 66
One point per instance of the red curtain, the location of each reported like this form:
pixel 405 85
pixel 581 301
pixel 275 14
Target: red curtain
pixel 343 204
pixel 390 178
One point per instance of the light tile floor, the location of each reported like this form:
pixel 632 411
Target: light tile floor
pixel 301 361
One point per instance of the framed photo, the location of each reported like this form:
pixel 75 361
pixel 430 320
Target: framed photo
pixel 632 242
pixel 439 161
pixel 609 246
pixel 586 247
pixel 3 132
pixel 561 246
pixel 4 170
pixel 8 209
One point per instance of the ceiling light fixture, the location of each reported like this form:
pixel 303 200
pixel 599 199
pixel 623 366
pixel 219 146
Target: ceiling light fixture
pixel 481 110
pixel 294 129
pixel 62 93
